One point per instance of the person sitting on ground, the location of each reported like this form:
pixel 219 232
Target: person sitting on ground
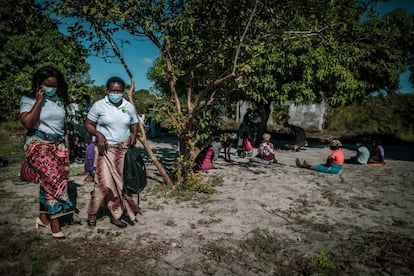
pixel 266 153
pixel 334 162
pixel 298 139
pixel 204 160
pixel 246 128
pixel 361 156
pixel 377 152
pixel 247 148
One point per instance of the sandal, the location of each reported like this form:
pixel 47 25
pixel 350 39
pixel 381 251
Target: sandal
pixel 91 220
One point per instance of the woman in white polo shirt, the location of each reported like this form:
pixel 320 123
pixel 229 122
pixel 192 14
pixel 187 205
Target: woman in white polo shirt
pixel 114 123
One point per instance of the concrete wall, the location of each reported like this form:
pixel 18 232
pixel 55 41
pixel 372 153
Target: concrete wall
pixel 306 116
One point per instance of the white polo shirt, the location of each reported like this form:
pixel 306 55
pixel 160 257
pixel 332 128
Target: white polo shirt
pixel 52 114
pixel 112 121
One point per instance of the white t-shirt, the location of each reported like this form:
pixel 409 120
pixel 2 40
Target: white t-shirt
pixel 52 114
pixel 363 155
pixel 113 122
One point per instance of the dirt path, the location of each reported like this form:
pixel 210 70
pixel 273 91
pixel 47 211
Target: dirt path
pixel 264 219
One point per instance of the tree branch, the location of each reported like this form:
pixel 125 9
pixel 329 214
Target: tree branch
pixel 212 86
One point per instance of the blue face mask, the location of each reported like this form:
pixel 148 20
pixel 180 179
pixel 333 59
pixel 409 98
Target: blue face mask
pixel 49 91
pixel 115 98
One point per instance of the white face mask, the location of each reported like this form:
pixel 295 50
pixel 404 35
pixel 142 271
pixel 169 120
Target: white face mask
pixel 115 98
pixel 49 91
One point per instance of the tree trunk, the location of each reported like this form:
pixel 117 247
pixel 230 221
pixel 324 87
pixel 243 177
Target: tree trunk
pixel 264 112
pixel 187 154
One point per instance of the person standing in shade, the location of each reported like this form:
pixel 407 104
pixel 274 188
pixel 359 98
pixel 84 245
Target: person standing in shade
pixel 42 112
pixel 114 123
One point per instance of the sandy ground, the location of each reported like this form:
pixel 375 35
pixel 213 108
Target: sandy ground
pixel 305 211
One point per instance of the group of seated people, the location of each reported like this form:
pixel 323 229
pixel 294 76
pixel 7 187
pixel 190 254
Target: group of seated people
pixel 336 159
pixel 266 153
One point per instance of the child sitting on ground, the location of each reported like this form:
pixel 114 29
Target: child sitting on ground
pixel 334 162
pixel 247 148
pixel 266 153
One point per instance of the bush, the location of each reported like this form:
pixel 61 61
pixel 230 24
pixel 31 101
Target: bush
pixel 386 116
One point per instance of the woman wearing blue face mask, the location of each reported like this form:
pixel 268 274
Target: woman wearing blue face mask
pixel 114 123
pixel 42 112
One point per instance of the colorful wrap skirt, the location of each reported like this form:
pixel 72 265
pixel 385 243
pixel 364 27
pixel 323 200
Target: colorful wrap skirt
pixel 47 162
pixel 109 183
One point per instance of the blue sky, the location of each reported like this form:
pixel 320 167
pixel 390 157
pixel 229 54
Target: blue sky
pixel 141 54
pixel 139 57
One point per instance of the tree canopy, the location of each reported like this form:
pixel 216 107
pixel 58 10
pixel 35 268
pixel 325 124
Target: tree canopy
pixel 262 51
pixel 29 40
pixel 312 51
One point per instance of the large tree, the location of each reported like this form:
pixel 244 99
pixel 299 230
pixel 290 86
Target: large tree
pixel 311 50
pixel 195 77
pixel 323 51
pixel 29 40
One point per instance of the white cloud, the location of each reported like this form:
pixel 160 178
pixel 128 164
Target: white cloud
pixel 146 61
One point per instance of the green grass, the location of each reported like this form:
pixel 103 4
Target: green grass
pixel 218 252
pixel 76 170
pixel 262 244
pixel 323 263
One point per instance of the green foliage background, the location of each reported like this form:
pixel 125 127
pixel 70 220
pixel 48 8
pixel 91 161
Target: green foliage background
pixel 30 40
pixel 392 116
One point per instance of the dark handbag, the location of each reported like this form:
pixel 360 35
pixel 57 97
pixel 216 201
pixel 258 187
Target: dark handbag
pixel 135 174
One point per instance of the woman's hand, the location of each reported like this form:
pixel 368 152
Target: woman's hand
pixel 29 119
pixel 101 143
pixel 39 94
pixel 132 140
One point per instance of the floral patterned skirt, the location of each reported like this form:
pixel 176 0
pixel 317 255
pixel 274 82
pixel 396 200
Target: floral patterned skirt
pixel 49 163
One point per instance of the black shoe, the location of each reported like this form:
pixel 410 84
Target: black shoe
pixel 127 220
pixel 91 221
pixel 119 223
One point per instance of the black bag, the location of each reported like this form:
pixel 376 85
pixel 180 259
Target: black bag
pixel 135 174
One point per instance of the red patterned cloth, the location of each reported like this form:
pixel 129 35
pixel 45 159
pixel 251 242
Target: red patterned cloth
pixel 48 163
